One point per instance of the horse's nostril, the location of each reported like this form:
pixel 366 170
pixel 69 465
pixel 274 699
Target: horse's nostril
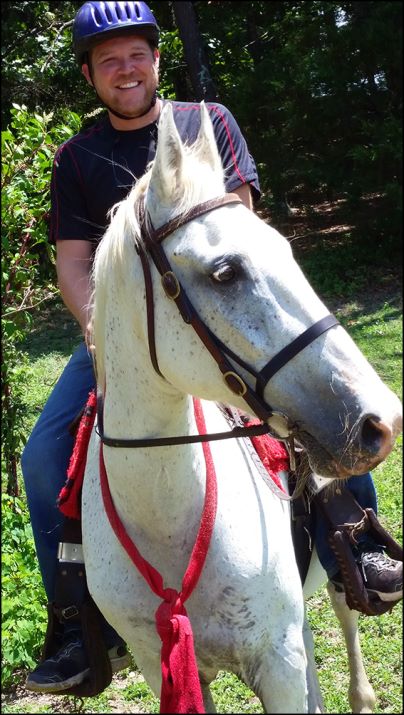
pixel 374 435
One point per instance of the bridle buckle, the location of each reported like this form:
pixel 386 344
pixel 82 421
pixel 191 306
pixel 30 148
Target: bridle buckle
pixel 235 383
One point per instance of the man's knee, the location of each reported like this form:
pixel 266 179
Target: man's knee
pixel 45 460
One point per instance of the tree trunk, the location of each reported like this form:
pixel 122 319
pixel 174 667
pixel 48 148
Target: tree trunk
pixel 195 55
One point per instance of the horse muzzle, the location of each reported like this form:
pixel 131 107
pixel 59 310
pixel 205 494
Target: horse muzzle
pixel 356 454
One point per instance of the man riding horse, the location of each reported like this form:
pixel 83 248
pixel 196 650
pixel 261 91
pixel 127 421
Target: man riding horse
pixel 116 47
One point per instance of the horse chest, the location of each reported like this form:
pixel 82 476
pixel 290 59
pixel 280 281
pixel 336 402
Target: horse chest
pixel 236 592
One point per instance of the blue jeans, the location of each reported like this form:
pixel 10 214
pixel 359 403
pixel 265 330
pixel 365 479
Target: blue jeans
pixel 44 464
pixel 46 457
pixel 364 492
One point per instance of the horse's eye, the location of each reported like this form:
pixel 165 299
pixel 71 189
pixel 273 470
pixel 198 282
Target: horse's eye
pixel 223 274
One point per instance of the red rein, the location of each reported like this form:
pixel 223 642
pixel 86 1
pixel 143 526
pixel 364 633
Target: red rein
pixel 180 687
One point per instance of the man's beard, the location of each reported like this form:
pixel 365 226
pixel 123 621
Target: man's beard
pixel 125 113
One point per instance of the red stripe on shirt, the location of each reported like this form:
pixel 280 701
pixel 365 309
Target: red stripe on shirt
pixel 220 114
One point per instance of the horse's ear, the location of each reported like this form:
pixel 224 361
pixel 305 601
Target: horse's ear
pixel 206 141
pixel 167 170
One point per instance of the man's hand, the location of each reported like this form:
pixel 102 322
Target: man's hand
pixel 244 192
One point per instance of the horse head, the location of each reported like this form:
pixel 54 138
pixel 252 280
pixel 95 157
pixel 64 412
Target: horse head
pixel 242 280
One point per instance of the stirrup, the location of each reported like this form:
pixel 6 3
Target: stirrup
pixel 73 604
pixel 88 617
pixel 347 521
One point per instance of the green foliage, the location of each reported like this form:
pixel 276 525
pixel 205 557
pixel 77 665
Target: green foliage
pixel 378 332
pixel 345 269
pixel 316 88
pixel 23 603
pixel 231 695
pixel 140 693
pixel 28 147
pixel 39 69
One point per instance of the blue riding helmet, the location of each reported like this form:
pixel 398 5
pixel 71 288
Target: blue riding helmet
pixel 96 21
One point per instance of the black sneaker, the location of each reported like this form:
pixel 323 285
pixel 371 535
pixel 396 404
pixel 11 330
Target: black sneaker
pixel 381 575
pixel 69 667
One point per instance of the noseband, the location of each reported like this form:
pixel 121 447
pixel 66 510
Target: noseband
pixel 150 244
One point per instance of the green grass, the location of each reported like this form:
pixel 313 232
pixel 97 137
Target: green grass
pixel 377 329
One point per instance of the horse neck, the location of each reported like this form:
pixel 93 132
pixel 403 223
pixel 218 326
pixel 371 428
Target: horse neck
pixel 150 487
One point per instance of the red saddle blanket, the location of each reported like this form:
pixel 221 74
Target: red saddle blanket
pixel 272 454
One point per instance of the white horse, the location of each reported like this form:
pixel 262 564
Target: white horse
pixel 247 609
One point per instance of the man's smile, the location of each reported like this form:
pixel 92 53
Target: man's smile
pixel 129 85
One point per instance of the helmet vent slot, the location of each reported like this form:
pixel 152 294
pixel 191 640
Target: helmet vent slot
pixel 126 11
pixel 108 14
pixel 121 12
pixel 97 16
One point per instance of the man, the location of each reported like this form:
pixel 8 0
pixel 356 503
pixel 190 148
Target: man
pixel 116 46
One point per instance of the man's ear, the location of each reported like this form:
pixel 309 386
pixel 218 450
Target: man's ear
pixel 156 54
pixel 86 72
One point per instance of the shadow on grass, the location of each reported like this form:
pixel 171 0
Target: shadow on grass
pixel 348 255
pixel 54 330
pixel 383 308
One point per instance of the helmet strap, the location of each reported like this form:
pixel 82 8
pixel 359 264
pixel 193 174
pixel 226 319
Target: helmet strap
pixel 123 116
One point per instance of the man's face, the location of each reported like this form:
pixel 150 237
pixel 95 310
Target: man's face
pixel 125 74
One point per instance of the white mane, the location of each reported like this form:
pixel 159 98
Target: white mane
pixel 196 180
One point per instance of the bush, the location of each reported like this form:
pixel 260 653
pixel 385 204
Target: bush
pixel 24 602
pixel 28 147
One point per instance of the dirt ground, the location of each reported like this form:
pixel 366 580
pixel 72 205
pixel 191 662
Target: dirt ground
pixel 28 702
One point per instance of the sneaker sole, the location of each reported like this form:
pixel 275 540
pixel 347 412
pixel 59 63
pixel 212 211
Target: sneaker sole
pixel 387 597
pixel 57 687
pixel 117 664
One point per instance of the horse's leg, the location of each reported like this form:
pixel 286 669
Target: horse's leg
pixel 278 679
pixel 207 698
pixel 361 694
pixel 315 700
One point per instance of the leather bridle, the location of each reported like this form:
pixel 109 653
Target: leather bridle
pixel 149 245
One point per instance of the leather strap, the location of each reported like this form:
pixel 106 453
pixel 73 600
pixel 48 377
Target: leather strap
pixel 149 305
pixel 295 347
pixel 73 604
pixel 152 239
pixel 234 433
pixel 175 292
pixel 158 235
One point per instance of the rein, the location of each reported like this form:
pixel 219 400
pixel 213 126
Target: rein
pixel 149 244
pixel 180 686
